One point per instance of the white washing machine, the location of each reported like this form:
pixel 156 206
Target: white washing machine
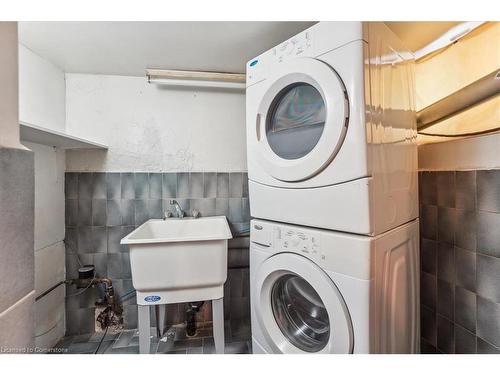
pixel 318 291
pixel 331 130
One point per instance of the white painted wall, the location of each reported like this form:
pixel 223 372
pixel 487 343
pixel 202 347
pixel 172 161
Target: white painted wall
pixel 154 128
pixel 462 154
pixel 41 91
pixel 49 246
pixel 49 194
pixel 9 123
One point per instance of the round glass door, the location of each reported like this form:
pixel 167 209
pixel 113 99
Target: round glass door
pixel 295 121
pixel 299 308
pixel 301 121
pixel 300 313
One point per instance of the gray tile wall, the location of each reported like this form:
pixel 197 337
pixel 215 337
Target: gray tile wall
pixel 101 208
pixel 460 261
pixel 17 284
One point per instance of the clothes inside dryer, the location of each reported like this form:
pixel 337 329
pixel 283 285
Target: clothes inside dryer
pixel 300 313
pixel 296 121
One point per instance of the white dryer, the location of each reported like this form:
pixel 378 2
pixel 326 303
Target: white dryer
pixel 318 291
pixel 331 130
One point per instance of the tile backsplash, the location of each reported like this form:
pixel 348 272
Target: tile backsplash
pixel 459 237
pixel 460 261
pixel 102 208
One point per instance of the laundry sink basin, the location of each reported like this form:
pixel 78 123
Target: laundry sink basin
pixel 176 260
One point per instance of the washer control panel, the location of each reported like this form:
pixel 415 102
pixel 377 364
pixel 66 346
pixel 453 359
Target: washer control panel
pixel 299 241
pixel 276 238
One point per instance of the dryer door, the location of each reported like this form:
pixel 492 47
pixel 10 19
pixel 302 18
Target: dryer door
pixel 299 307
pixel 302 119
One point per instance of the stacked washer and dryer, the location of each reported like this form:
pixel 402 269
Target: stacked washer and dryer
pixel 332 168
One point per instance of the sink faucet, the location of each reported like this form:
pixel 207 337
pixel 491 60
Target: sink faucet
pixel 178 208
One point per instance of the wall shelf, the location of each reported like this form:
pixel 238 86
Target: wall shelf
pixel 49 137
pixel 459 101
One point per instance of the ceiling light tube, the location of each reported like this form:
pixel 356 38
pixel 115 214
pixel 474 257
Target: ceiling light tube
pixel 196 78
pixel 449 37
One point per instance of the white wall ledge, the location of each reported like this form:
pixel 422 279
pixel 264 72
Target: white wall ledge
pixel 49 137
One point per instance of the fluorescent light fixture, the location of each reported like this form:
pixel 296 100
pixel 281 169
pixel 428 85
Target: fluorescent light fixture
pixel 450 37
pixel 196 79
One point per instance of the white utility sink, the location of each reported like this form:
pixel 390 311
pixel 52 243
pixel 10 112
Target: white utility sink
pixel 179 260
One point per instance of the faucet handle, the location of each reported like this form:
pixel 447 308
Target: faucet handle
pixel 172 201
pixel 167 214
pixel 195 213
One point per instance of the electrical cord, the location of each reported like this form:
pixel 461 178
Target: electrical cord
pixel 81 265
pixel 127 295
pixel 73 252
pixel 102 340
pixel 81 291
pixel 47 331
pixel 87 287
pixel 462 134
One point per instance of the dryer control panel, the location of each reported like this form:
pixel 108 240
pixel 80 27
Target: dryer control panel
pixel 299 45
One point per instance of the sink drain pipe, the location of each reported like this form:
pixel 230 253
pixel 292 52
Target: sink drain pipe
pixel 193 308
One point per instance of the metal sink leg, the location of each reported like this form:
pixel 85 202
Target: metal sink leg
pixel 218 324
pixel 144 329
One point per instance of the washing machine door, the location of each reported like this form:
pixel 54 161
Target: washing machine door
pixel 299 308
pixel 302 119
